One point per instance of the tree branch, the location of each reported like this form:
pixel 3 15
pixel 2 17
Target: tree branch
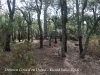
pixel 13 9
pixel 84 5
pixel 9 7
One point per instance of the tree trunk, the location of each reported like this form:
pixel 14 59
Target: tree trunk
pixel 55 33
pixel 79 24
pixel 11 14
pixel 13 35
pixel 80 44
pixel 50 40
pixel 40 28
pixel 64 20
pixel 41 40
pixel 8 37
pixel 60 38
pixel 39 7
pixel 19 37
pixel 79 28
pixel 55 40
pixel 28 33
pixel 7 44
pixel 88 36
pixel 45 22
pixel 55 36
pixel 65 42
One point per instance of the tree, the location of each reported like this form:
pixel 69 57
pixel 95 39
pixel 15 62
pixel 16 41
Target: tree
pixel 46 4
pixel 28 18
pixel 64 21
pixel 4 20
pixel 54 19
pixel 92 30
pixel 19 28
pixel 38 10
pixel 88 36
pixel 79 28
pixel 11 15
pixel 80 23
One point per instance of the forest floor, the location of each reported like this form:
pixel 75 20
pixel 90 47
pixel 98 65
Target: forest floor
pixel 51 63
pixel 48 60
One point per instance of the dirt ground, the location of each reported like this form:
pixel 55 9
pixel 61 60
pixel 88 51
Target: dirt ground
pixel 51 63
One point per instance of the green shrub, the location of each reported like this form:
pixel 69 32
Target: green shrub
pixel 18 58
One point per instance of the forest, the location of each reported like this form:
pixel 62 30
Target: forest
pixel 49 37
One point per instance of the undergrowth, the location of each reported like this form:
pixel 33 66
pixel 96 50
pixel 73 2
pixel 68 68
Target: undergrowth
pixel 94 46
pixel 19 58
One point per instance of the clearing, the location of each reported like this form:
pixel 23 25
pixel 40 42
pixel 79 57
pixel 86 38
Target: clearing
pixel 51 63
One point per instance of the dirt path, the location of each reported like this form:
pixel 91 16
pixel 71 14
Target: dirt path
pixel 49 60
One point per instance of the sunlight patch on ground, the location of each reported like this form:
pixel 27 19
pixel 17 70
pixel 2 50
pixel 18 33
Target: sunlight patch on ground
pixel 67 64
pixel 35 41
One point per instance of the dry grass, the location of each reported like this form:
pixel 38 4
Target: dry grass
pixel 18 58
pixel 94 47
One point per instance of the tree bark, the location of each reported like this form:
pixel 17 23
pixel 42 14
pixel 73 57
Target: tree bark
pixel 82 22
pixel 11 14
pixel 39 21
pixel 50 40
pixel 55 40
pixel 55 33
pixel 40 28
pixel 79 28
pixel 45 22
pixel 54 19
pixel 19 37
pixel 64 21
pixel 80 44
pixel 88 36
pixel 7 44
pixel 28 32
pixel 13 36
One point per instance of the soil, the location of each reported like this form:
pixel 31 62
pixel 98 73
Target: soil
pixel 51 63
